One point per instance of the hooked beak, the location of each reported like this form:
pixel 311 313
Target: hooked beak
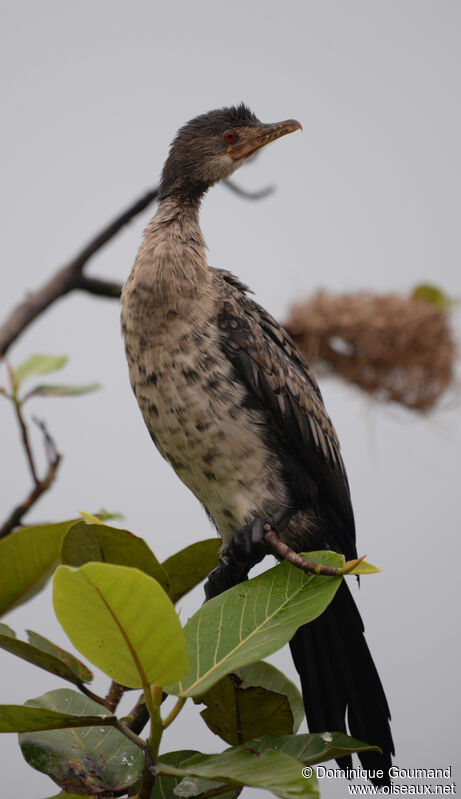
pixel 252 139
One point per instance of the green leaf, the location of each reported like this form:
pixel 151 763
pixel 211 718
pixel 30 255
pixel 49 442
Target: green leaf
pixel 80 670
pixel 101 517
pixel 62 391
pixel 65 795
pixel 39 365
pixel 202 789
pixel 364 568
pixel 35 716
pixel 122 621
pixel 252 620
pixel 267 676
pixel 89 518
pixel 239 714
pixel 86 759
pixel 27 558
pixel 190 566
pixel 433 295
pixel 51 658
pixel 274 771
pixel 98 542
pixel 312 748
pixel 164 786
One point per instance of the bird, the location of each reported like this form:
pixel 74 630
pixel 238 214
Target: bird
pixel 231 403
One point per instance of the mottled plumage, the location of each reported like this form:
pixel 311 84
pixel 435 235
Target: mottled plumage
pixel 230 402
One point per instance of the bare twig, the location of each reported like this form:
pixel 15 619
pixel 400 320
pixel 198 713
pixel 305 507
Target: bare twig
pixel 285 552
pixel 99 699
pixel 54 459
pixel 114 696
pixel 249 195
pixel 26 443
pixel 71 276
pixel 139 716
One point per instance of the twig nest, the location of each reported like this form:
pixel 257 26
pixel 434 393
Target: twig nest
pixel 395 348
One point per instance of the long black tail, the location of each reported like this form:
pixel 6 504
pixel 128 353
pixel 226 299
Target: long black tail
pixel 338 674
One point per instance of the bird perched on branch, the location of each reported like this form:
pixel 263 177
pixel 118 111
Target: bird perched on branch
pixel 230 402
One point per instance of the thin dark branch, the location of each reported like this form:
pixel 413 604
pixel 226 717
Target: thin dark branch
pixel 249 195
pixel 102 288
pixel 284 552
pixel 139 716
pixel 69 277
pixel 114 696
pixel 26 444
pixel 54 459
pixel 95 697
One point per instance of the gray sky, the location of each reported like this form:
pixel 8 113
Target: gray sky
pixel 367 197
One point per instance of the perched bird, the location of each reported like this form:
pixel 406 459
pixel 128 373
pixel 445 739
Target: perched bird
pixel 232 405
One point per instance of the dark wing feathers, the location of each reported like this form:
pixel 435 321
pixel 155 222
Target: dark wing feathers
pixel 274 369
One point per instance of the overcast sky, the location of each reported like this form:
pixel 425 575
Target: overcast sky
pixel 368 197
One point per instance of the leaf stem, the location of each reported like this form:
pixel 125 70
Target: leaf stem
pixel 176 709
pixel 153 697
pixel 125 730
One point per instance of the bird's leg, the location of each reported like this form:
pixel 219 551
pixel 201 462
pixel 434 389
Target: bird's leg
pixel 245 549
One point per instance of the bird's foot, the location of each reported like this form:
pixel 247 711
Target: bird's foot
pixel 245 549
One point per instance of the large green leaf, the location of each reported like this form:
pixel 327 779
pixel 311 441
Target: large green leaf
pixel 39 364
pixel 80 670
pixel 267 676
pixel 85 759
pixel 252 620
pixel 239 714
pixel 27 559
pixel 98 542
pixel 122 621
pixel 167 786
pixel 311 748
pixel 55 710
pixel 190 566
pixel 274 771
pixel 256 700
pixel 45 655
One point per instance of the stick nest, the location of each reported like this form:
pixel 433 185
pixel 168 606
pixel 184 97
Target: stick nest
pixel 395 348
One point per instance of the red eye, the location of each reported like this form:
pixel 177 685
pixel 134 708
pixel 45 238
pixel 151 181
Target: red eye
pixel 230 136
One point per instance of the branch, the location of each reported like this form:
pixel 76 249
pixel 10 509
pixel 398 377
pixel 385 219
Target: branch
pixel 101 288
pixel 249 195
pixel 54 459
pixel 114 696
pixel 139 716
pixel 284 552
pixel 70 277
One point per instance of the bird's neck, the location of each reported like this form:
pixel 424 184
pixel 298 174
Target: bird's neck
pixel 171 260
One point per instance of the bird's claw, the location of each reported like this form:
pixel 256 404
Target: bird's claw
pixel 245 549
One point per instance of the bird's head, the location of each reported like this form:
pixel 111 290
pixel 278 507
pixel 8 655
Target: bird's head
pixel 212 146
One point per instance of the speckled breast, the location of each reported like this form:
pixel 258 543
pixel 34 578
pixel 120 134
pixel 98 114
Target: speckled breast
pixel 195 414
